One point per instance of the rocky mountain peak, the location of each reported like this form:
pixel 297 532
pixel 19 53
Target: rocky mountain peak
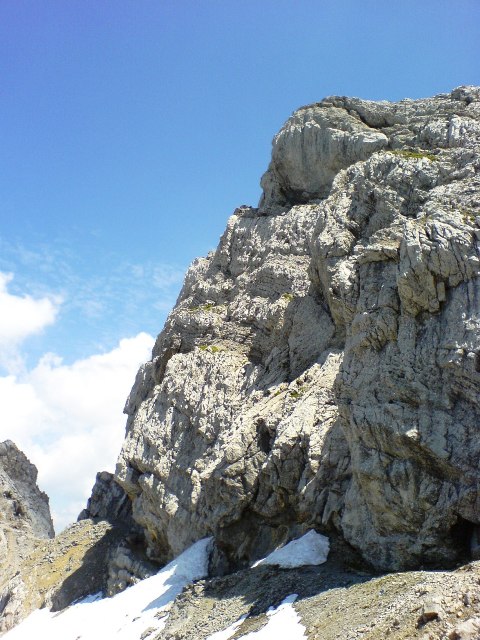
pixel 319 371
pixel 24 519
pixel 321 368
pixel 319 140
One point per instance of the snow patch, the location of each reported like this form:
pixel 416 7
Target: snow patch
pixel 283 622
pixel 127 615
pixel 228 632
pixel 312 548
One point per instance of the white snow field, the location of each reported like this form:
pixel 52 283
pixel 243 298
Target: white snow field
pixel 138 609
pixel 312 548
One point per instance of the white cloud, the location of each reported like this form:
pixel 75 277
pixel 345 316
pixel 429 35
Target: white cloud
pixel 68 419
pixel 102 299
pixel 21 317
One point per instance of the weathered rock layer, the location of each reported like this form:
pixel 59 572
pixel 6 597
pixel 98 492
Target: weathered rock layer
pixel 24 509
pixel 24 520
pixel 321 368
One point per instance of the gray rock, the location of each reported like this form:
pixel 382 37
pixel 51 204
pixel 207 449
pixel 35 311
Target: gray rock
pixel 468 630
pixel 311 148
pixel 126 563
pixel 19 477
pixel 126 566
pixel 24 509
pixel 223 425
pixel 108 501
pixel 322 367
pixel 24 521
pixel 432 609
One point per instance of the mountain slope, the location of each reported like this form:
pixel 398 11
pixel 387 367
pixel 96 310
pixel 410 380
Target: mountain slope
pixel 320 371
pixel 322 367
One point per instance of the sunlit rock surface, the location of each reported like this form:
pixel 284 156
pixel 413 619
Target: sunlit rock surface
pixel 321 368
pixel 24 509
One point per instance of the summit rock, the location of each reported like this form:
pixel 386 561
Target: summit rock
pixel 321 368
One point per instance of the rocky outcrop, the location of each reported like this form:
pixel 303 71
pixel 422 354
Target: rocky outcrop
pixel 321 368
pixel 233 425
pixel 24 509
pixel 108 501
pixel 397 258
pixel 103 552
pixel 126 562
pixel 24 521
pixel 37 569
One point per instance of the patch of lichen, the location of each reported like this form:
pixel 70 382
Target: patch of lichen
pixel 297 393
pixel 413 155
pixel 211 348
pixel 468 215
pixel 208 307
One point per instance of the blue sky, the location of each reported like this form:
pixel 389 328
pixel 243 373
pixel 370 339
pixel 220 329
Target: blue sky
pixel 130 130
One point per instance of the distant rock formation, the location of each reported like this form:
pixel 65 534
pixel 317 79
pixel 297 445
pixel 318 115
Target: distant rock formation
pixel 56 572
pixel 24 509
pixel 103 552
pixel 321 368
pixel 24 519
pixel 108 501
pixel 126 563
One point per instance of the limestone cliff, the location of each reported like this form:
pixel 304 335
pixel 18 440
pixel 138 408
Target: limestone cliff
pixel 24 520
pixel 321 368
pixel 24 509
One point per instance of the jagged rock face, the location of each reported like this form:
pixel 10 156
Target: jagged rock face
pixel 126 563
pixel 108 501
pixel 21 497
pixel 24 519
pixel 24 509
pixel 225 427
pixel 322 367
pixel 397 258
